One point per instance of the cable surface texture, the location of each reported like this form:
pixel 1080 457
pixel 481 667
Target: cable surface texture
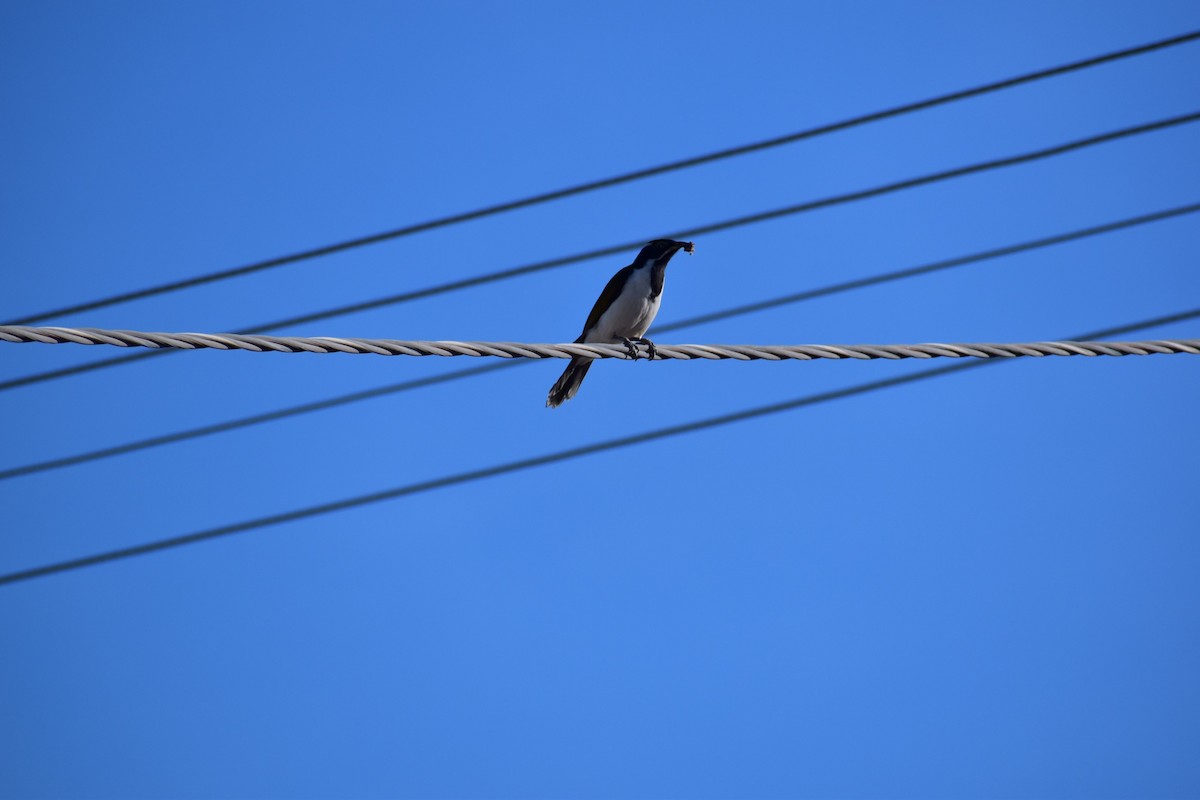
pixel 741 352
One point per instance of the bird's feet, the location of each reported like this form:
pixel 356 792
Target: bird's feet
pixel 653 348
pixel 631 347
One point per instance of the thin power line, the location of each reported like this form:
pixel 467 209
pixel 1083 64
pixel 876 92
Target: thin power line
pixel 470 372
pixel 735 222
pixel 256 419
pixel 323 345
pixel 538 461
pixel 936 266
pixel 627 177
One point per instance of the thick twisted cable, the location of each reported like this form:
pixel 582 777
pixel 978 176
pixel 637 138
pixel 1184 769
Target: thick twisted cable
pixel 740 352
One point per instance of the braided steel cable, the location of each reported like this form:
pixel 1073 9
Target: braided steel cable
pixel 685 352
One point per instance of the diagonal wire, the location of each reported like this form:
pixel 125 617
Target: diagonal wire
pixel 460 374
pixel 627 177
pixel 256 419
pixel 936 266
pixel 527 269
pixel 539 461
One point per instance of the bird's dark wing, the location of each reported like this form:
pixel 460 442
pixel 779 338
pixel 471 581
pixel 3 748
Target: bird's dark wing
pixel 606 299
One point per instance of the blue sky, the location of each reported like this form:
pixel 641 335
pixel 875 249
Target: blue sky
pixel 981 585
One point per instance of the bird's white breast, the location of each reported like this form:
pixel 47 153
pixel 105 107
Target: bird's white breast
pixel 631 313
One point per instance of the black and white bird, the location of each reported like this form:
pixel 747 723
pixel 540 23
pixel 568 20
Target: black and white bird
pixel 623 313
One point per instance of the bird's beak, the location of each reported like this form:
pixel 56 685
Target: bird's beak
pixel 687 247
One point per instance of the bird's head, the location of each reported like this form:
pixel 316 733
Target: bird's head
pixel 663 249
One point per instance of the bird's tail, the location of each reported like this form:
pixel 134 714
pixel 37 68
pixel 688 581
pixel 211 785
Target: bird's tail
pixel 568 383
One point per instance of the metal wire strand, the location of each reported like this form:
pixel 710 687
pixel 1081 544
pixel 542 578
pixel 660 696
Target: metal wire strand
pixel 686 352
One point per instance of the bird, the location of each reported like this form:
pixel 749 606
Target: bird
pixel 623 313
